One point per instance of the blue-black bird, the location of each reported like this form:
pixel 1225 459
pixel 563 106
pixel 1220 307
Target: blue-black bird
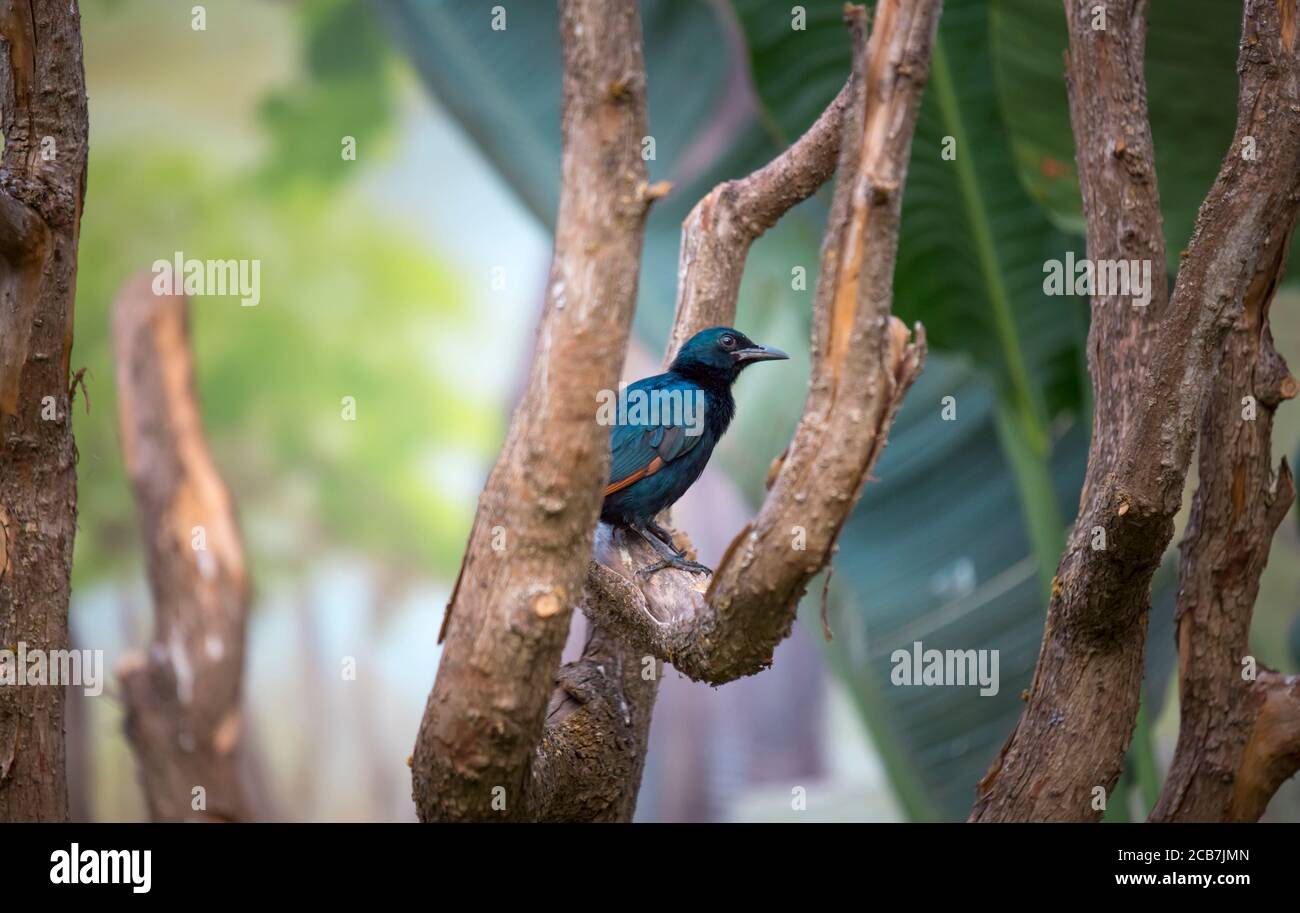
pixel 666 428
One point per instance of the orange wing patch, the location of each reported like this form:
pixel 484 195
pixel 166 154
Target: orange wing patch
pixel 650 469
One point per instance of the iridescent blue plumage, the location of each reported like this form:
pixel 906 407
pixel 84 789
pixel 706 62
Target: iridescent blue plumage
pixel 667 428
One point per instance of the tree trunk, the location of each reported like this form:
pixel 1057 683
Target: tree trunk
pixel 532 536
pixel 42 186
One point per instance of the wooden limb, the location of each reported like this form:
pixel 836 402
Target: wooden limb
pixel 1150 368
pixel 1239 504
pixel 863 364
pixel 589 762
pixel 720 228
pixel 510 612
pixel 42 184
pixel 183 695
pixel 24 247
pixel 1272 753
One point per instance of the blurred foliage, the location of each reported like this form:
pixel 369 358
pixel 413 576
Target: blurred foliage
pixel 1190 66
pixel 345 90
pixel 351 305
pixel 273 410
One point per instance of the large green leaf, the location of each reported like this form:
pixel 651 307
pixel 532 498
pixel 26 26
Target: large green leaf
pixel 937 552
pixel 1192 43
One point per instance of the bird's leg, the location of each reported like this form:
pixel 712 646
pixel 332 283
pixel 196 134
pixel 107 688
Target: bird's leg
pixel 663 535
pixel 670 556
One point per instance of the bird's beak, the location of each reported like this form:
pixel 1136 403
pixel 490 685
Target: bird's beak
pixel 758 353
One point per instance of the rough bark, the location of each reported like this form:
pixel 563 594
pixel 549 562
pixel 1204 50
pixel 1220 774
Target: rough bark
pixel 1225 710
pixel 1150 369
pixel 510 611
pixel 589 761
pixel 42 185
pixel 863 364
pixel 182 697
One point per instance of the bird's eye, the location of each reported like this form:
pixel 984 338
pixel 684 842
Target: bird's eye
pixel 727 341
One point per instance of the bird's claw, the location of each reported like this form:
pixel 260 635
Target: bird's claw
pixel 682 564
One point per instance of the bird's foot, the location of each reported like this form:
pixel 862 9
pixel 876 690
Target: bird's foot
pixel 681 564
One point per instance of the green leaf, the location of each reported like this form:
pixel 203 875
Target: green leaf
pixel 937 552
pixel 1190 44
pixel 345 92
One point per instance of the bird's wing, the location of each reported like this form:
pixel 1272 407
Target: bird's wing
pixel 642 450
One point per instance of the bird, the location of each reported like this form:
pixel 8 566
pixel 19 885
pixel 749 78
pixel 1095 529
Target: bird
pixel 665 430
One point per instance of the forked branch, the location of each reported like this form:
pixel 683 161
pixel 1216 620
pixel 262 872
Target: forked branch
pixel 863 363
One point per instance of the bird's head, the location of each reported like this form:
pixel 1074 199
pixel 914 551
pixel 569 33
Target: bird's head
pixel 720 354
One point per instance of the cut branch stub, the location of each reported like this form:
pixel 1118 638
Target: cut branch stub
pixel 863 363
pixel 183 695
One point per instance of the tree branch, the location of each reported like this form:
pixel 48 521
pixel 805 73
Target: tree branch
pixel 1226 750
pixel 720 228
pixel 511 608
pixel 1150 369
pixel 1272 752
pixel 863 364
pixel 589 761
pixel 182 698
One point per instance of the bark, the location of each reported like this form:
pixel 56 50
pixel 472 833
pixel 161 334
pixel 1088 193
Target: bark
pixel 42 186
pixel 1150 367
pixel 510 611
pixel 863 364
pixel 589 761
pixel 182 697
pixel 1238 735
